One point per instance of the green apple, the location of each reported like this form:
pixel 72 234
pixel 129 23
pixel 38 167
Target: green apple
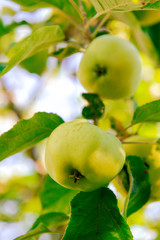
pixel 82 156
pixel 148 17
pixel 151 158
pixel 110 67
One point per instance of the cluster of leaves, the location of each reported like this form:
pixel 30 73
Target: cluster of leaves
pixel 94 215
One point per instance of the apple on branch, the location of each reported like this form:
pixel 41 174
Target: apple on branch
pixel 82 156
pixel 110 67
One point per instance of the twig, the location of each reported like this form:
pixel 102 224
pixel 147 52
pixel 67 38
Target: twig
pixel 76 8
pixel 86 30
pixel 141 142
pixel 95 121
pixel 73 22
pixel 100 25
pixel 139 127
pixel 124 130
pixel 81 49
pixel 93 19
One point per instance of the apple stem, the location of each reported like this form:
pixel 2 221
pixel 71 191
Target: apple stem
pixel 76 175
pixel 95 121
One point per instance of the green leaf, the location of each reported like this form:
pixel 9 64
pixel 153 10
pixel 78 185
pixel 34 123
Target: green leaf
pixel 101 5
pixel 41 229
pixel 2 66
pixel 30 3
pixel 149 112
pixel 154 33
pixel 45 224
pixel 95 108
pixel 16 188
pixel 6 29
pixel 65 52
pixel 64 6
pixel 94 216
pixel 158 145
pixel 39 40
pixel 153 5
pixel 36 63
pixel 51 220
pixel 139 185
pixel 27 133
pixel 54 197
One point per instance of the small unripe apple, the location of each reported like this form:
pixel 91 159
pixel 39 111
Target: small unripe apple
pixel 110 67
pixel 82 156
pixel 151 157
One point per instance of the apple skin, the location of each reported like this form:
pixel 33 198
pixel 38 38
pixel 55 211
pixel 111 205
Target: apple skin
pixel 110 67
pixel 148 17
pixel 80 146
pixel 151 158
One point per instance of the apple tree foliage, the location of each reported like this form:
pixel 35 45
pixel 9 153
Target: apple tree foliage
pixel 68 214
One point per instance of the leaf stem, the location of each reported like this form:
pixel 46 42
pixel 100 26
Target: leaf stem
pixel 124 130
pixel 76 8
pixel 81 49
pixel 93 19
pixel 100 25
pixel 139 127
pixel 73 22
pixel 86 30
pixel 29 235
